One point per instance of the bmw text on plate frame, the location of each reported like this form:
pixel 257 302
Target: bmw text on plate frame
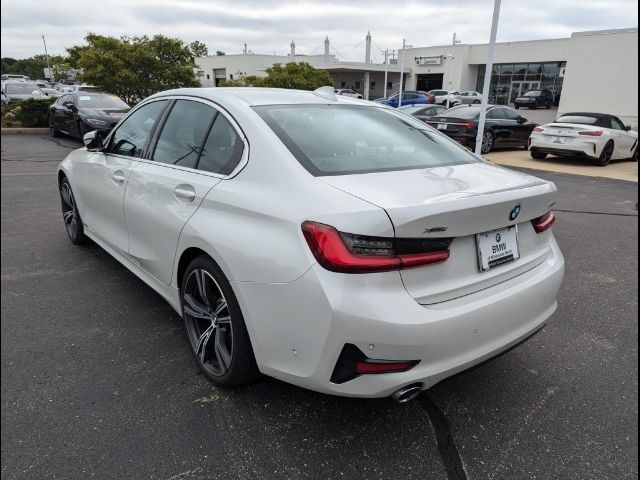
pixel 290 249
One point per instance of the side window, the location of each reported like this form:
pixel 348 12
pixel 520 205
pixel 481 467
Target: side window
pixel 183 132
pixel 510 114
pixel 130 137
pixel 223 150
pixel 495 114
pixel 616 125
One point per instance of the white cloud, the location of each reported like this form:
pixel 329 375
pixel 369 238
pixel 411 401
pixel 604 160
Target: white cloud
pixel 269 25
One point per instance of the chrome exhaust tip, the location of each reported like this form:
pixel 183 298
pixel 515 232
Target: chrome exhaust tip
pixel 406 394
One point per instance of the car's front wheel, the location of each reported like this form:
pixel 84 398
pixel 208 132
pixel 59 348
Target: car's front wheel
pixel 215 325
pixel 70 214
pixel 53 130
pixel 536 155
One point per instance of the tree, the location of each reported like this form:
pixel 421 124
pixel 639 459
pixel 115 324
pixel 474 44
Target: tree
pixel 220 52
pixel 298 75
pixel 198 49
pixel 134 67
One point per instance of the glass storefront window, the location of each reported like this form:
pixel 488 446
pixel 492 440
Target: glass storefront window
pixel 546 75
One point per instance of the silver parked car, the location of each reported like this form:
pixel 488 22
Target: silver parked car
pixel 471 97
pixel 20 90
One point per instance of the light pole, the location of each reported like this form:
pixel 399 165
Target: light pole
pixel 487 76
pixel 452 56
pixel 46 54
pixel 404 45
pixel 386 69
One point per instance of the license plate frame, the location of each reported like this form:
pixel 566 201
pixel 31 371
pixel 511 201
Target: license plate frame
pixel 558 140
pixel 510 253
pixel 442 126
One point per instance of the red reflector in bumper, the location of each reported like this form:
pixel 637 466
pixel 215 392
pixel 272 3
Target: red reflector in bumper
pixel 383 367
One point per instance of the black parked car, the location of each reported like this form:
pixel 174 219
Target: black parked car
pixel 504 127
pixel 80 112
pixel 535 99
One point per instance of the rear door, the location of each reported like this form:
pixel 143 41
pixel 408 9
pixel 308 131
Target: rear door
pixel 100 181
pixel 194 149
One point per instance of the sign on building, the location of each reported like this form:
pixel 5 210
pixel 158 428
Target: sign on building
pixel 429 60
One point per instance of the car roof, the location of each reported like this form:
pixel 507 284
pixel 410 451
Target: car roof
pixel 588 114
pixel 256 96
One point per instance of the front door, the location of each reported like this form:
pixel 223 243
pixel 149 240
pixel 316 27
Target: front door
pixel 100 182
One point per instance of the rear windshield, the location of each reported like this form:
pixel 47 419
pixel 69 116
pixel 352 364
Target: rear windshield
pixel 22 88
pixel 349 139
pixel 533 93
pixel 92 100
pixel 462 111
pixel 580 119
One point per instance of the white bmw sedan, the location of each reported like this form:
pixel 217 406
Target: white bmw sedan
pixel 332 243
pixel 595 136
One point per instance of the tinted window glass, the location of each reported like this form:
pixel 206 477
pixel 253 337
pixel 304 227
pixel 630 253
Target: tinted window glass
pixel 616 125
pixel 579 119
pixel 510 114
pixel 100 100
pixel 130 137
pixel 345 139
pixel 496 114
pixel 533 93
pixel 183 133
pixel 223 149
pixel 22 88
pixel 463 111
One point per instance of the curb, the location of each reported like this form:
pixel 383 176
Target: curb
pixel 23 131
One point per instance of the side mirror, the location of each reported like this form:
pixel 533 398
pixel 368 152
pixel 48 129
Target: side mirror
pixel 69 105
pixel 93 141
pixel 628 128
pixel 522 120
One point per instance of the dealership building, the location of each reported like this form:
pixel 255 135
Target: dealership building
pixel 590 71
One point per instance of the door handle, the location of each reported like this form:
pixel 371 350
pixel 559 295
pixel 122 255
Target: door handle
pixel 186 192
pixel 118 177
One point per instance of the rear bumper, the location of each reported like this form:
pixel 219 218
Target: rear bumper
pixel 577 147
pixel 298 330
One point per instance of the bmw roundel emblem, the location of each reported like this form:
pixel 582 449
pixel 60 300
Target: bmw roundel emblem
pixel 498 237
pixel 515 211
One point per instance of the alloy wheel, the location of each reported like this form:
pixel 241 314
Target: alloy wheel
pixel 69 212
pixel 487 142
pixel 208 321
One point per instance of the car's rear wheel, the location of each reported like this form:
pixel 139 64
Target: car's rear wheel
pixel 537 155
pixel 215 325
pixel 606 155
pixel 53 130
pixel 476 102
pixel 488 141
pixel 70 214
pixel 635 155
pixel 517 107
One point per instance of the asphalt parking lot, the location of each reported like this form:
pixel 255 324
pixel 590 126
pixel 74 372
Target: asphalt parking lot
pixel 98 380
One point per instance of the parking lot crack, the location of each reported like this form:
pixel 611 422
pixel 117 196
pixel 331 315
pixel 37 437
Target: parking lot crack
pixel 444 439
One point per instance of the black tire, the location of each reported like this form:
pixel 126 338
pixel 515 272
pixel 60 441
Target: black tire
pixel 607 153
pixel 70 214
pixel 537 155
pixel 55 133
pixel 635 155
pixel 225 325
pixel 82 129
pixel 490 140
pixel 476 102
pixel 517 107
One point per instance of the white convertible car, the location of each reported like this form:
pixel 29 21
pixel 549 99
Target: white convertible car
pixel 595 136
pixel 329 242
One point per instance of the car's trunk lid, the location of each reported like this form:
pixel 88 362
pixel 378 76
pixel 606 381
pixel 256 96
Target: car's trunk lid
pixel 457 202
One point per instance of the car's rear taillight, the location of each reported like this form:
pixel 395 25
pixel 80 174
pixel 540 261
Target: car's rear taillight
pixel 538 129
pixel 468 125
pixel 544 223
pixel 591 133
pixel 349 253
